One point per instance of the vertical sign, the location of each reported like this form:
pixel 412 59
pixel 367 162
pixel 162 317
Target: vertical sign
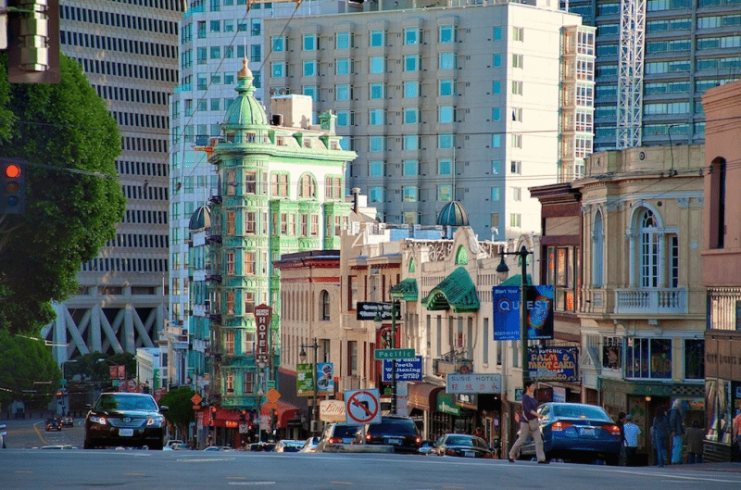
pixel 539 316
pixel 262 319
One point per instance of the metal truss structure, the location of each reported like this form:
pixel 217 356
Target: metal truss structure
pixel 630 77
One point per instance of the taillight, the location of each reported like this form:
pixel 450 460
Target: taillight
pixel 450 452
pixel 418 441
pixel 561 426
pixel 367 437
pixel 488 456
pixel 335 440
pixel 612 429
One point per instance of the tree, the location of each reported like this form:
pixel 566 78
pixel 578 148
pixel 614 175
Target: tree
pixel 95 366
pixel 73 198
pixel 179 408
pixel 28 372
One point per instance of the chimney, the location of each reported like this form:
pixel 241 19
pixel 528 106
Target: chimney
pixel 355 191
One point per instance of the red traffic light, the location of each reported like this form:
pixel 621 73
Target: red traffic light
pixel 13 171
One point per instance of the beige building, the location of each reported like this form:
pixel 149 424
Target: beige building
pixel 643 309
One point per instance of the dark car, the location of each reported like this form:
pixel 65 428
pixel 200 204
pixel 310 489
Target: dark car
pixel 54 423
pixel 68 422
pixel 577 432
pixel 335 435
pixel 125 419
pixel 394 430
pixel 461 445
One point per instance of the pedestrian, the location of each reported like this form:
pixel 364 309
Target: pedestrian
pixel 620 423
pixel 479 432
pixel 660 431
pixel 529 426
pixel 677 431
pixel 737 429
pixel 631 432
pixel 694 436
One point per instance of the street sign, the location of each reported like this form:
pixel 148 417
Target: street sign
pixel 272 395
pixel 362 407
pixel 270 383
pixel 263 314
pixel 474 383
pixel 196 399
pixel 381 354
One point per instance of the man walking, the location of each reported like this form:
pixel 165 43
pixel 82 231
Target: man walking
pixel 677 430
pixel 529 426
pixel 631 431
pixel 695 436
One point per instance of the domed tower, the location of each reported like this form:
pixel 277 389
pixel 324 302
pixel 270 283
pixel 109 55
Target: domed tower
pixel 200 219
pixel 245 110
pixel 451 216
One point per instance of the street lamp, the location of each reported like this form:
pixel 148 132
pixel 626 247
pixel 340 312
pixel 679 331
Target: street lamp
pixel 379 323
pixel 504 270
pixel 302 356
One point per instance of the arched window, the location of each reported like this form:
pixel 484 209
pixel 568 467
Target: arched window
pixel 325 306
pixel 598 251
pixel 461 257
pixel 649 249
pixel 307 187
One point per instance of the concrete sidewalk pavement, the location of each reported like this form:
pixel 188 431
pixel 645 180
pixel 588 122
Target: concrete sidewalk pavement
pixel 724 467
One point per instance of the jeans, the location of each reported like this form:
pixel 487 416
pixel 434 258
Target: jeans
pixel 660 447
pixel 676 449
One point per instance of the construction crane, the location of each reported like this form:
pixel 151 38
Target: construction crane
pixel 630 77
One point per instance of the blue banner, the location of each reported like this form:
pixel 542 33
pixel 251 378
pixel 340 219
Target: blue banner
pixel 406 370
pixel 325 375
pixel 553 363
pixel 539 317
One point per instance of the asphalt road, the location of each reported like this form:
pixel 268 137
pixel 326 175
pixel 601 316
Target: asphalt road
pixel 38 469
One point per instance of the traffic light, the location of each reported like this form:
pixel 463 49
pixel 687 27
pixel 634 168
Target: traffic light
pixel 12 188
pixel 274 419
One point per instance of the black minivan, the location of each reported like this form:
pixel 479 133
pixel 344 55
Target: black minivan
pixel 394 430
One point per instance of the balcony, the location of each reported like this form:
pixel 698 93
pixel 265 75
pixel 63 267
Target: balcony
pixel 655 301
pixel 214 277
pixel 452 363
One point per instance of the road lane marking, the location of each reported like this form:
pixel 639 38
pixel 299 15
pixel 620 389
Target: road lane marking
pixel 341 482
pixel 252 483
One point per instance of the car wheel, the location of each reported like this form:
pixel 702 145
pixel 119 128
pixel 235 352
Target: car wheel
pixel 155 446
pixel 87 445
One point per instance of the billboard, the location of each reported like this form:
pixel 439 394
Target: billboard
pixel 539 317
pixel 406 370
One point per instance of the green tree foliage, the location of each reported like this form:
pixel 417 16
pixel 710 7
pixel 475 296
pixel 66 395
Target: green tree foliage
pixel 95 367
pixel 179 408
pixel 28 371
pixel 73 198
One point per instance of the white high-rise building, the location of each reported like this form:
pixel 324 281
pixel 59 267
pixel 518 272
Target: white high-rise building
pixel 128 50
pixel 466 101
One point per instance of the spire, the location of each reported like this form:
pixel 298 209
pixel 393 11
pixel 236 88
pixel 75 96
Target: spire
pixel 245 78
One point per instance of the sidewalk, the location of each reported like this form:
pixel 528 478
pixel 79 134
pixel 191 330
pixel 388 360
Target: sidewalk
pixel 724 467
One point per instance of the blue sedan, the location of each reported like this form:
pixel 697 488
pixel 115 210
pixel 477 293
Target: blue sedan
pixel 577 432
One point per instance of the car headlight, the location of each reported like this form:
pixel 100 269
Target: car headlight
pixel 98 420
pixel 154 422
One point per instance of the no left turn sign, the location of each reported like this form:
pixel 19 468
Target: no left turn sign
pixel 362 407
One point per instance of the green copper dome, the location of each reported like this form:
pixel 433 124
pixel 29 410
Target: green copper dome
pixel 200 219
pixel 453 214
pixel 245 110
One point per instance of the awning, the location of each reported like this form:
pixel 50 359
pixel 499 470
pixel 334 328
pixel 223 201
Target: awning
pixel 406 290
pixel 423 396
pixel 286 412
pixel 456 292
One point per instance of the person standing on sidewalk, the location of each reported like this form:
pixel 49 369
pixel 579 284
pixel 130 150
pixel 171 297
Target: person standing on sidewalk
pixel 736 427
pixel 631 432
pixel 529 426
pixel 621 423
pixel 660 435
pixel 695 436
pixel 677 431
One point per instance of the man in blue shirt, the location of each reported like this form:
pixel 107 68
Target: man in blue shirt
pixel 529 426
pixel 631 431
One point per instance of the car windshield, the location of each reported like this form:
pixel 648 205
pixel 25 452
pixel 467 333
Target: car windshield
pixel 459 441
pixel 345 431
pixel 580 412
pixel 126 402
pixel 393 427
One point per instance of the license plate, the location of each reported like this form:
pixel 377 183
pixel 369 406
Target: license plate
pixel 587 431
pixel 469 454
pixel 394 441
pixel 125 432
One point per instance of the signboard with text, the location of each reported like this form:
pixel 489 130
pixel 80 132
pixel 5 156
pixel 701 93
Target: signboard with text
pixel 554 363
pixel 369 311
pixel 539 316
pixel 381 354
pixel 473 383
pixel 262 319
pixel 406 370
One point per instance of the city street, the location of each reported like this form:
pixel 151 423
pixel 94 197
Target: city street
pixel 135 469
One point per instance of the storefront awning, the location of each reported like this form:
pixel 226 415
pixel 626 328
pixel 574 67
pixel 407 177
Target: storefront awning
pixel 406 290
pixel 286 412
pixel 423 396
pixel 456 292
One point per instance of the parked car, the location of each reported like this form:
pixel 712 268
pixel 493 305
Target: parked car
pixel 125 419
pixel 576 431
pixel 310 445
pixel 336 435
pixel 172 442
pixel 288 446
pixel 394 430
pixel 68 422
pixel 426 446
pixel 53 423
pixel 219 448
pixel 462 445
pixel 180 446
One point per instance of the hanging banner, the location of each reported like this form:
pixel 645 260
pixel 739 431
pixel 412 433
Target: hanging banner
pixel 553 363
pixel 305 379
pixel 539 317
pixel 325 377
